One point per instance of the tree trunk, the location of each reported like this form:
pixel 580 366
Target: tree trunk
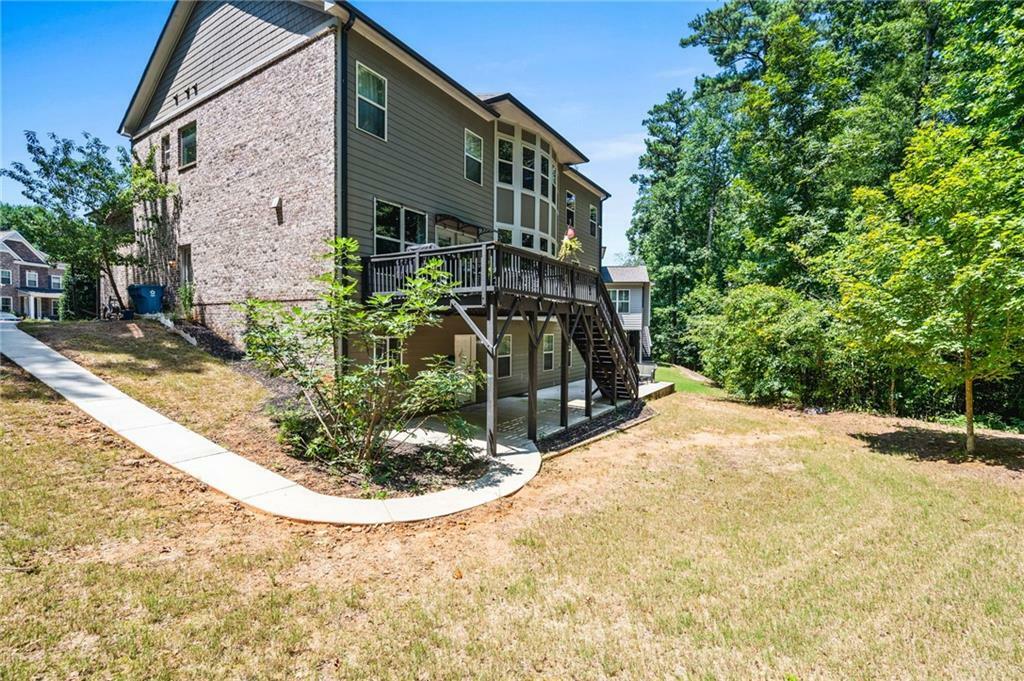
pixel 969 412
pixel 892 392
pixel 108 270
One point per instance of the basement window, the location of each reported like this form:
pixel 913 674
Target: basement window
pixel 548 350
pixel 505 356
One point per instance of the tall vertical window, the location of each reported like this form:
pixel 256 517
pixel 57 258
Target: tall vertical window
pixel 570 209
pixel 548 351
pixel 545 176
pixel 371 102
pixel 5 277
pixel 6 304
pixel 505 356
pixel 396 227
pixel 187 145
pixel 31 279
pixel 593 220
pixel 506 156
pixel 474 150
pixel 529 170
pixel 165 152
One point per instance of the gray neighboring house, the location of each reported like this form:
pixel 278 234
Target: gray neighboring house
pixel 30 284
pixel 629 287
pixel 286 123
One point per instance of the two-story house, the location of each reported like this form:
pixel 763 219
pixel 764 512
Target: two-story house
pixel 30 284
pixel 629 287
pixel 286 123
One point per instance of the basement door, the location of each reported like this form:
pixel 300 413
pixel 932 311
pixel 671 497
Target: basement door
pixel 465 355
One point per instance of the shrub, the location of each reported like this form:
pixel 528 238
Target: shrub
pixel 187 299
pixel 766 344
pixel 353 404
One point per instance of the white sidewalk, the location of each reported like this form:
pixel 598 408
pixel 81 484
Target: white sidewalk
pixel 239 478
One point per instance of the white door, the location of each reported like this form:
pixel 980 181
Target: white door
pixel 465 355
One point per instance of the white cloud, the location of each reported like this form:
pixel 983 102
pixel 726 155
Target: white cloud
pixel 616 148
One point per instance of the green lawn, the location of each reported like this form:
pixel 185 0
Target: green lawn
pixel 715 540
pixel 685 384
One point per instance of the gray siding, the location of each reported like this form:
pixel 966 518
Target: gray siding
pixel 584 199
pixel 638 315
pixel 421 164
pixel 223 39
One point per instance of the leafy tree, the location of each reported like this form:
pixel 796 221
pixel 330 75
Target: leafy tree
pixel 88 201
pixel 354 404
pixel 935 270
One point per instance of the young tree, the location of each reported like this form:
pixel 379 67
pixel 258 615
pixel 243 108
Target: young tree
pixel 936 270
pixel 89 201
pixel 355 403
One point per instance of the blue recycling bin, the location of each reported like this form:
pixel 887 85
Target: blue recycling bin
pixel 146 298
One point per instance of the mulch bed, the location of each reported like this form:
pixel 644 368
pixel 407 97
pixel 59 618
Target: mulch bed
pixel 617 418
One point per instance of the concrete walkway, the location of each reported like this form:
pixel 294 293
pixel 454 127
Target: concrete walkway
pixel 251 484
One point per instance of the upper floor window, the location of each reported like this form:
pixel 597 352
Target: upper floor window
pixel 372 102
pixel 396 227
pixel 620 299
pixel 570 209
pixel 6 278
pixel 165 152
pixel 529 161
pixel 545 176
pixel 187 145
pixel 56 281
pixel 31 279
pixel 504 356
pixel 593 220
pixel 474 152
pixel 506 156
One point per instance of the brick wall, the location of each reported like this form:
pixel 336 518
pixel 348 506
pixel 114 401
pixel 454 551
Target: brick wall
pixel 270 135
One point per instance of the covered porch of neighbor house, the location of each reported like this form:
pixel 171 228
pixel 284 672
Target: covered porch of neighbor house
pixel 38 303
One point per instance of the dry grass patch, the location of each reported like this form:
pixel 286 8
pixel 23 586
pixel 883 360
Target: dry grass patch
pixel 715 540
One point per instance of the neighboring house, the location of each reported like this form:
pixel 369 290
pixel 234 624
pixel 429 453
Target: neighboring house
pixel 287 123
pixel 630 290
pixel 30 285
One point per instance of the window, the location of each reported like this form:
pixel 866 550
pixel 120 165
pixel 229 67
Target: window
pixel 56 281
pixel 6 278
pixel 593 221
pixel 388 350
pixel 529 160
pixel 371 102
pixel 397 227
pixel 548 351
pixel 545 175
pixel 185 263
pixel 570 209
pixel 506 155
pixel 474 147
pixel 165 152
pixel 620 299
pixel 187 145
pixel 6 304
pixel 527 240
pixel 505 356
pixel 505 236
pixel 31 279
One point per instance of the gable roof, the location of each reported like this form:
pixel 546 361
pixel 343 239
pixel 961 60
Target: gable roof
pixel 625 274
pixel 514 111
pixel 13 242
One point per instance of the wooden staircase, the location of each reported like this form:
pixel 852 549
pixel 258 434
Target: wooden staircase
pixel 614 367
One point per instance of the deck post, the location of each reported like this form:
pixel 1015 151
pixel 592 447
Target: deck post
pixel 491 397
pixel 531 372
pixel 563 415
pixel 589 379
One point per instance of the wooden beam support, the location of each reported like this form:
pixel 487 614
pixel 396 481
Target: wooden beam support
pixel 563 393
pixel 491 397
pixel 532 380
pixel 488 346
pixel 589 379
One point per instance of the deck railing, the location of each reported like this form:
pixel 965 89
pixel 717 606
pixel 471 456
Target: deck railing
pixel 488 267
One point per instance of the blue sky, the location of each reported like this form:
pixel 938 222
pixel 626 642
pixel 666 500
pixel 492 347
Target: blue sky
pixel 591 69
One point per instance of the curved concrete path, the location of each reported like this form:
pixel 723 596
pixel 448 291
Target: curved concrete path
pixel 237 477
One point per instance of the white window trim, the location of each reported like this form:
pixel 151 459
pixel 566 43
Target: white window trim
pixel 466 154
pixel 35 279
pixel 10 277
pixel 593 216
pixel 540 202
pixel 387 101
pixel 498 355
pixel 614 294
pixel 401 225
pixel 10 304
pixel 544 353
pixel 165 152
pixel 181 154
pixel 59 277
pixel 386 342
pixel 498 161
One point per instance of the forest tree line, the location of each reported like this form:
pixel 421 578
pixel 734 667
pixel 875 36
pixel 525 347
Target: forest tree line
pixel 835 217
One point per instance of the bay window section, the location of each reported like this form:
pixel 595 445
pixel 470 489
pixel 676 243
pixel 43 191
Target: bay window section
pixel 529 160
pixel 526 190
pixel 506 157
